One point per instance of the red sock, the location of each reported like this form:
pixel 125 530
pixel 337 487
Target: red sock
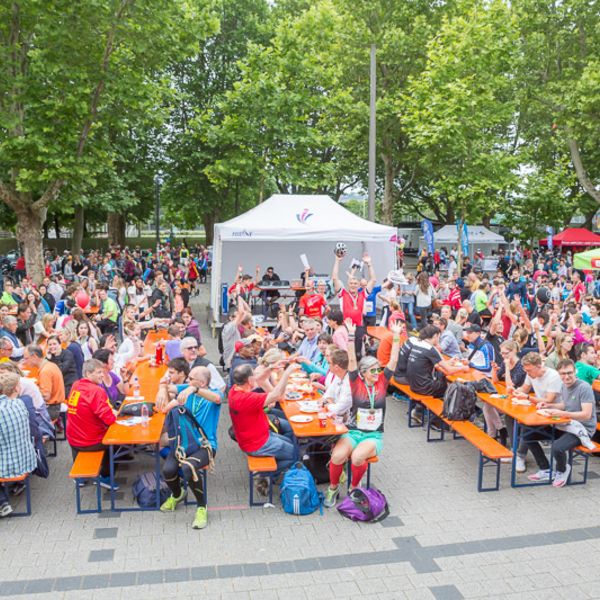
pixel 358 472
pixel 334 473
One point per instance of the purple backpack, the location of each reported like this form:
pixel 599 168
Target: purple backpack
pixel 364 504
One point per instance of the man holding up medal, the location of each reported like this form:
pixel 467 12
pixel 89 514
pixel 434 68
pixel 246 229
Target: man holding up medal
pixel 368 386
pixel 352 300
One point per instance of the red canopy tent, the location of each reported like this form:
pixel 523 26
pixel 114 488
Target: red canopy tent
pixel 574 237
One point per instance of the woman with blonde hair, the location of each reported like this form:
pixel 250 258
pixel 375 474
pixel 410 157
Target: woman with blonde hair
pixel 563 346
pixel 44 328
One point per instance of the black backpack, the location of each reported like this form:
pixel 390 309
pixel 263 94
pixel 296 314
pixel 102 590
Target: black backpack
pixel 459 402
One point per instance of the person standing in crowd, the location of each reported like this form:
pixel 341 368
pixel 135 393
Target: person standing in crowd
pixel 352 300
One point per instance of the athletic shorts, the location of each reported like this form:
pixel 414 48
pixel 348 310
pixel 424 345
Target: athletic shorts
pixel 356 437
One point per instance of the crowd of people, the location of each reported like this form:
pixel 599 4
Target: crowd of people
pixel 533 323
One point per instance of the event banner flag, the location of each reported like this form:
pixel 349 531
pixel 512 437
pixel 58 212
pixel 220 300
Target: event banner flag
pixel 427 228
pixel 465 236
pixel 550 232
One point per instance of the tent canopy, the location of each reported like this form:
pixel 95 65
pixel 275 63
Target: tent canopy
pixel 276 232
pixel 296 217
pixel 478 234
pixel 589 260
pixel 574 236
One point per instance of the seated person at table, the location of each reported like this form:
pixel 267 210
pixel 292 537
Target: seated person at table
pixel 319 366
pixel 250 423
pixel 426 370
pixel 50 379
pixel 115 386
pixel 17 454
pixel 511 371
pixel 9 330
pixel 575 402
pixel 195 356
pixel 173 344
pixel 368 388
pixel 90 415
pixel 338 396
pixel 340 333
pixel 480 352
pixel 244 355
pixel 586 365
pixel 546 385
pixel 204 402
pixel 309 345
pixel 448 342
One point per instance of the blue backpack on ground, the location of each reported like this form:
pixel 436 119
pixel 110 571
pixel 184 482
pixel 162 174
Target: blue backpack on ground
pixel 144 490
pixel 299 494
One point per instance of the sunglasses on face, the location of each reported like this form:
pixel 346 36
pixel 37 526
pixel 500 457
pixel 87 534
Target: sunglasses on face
pixel 375 370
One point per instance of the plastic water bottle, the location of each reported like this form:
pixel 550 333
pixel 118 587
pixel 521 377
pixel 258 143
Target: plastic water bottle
pixel 145 416
pixel 136 386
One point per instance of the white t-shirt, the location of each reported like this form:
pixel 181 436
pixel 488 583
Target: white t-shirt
pixel 550 381
pixel 338 391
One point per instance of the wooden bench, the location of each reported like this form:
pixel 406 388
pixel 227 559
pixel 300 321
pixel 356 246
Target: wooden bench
pixel 491 452
pixel 264 466
pixel 21 479
pixel 87 467
pixel 582 452
pixel 370 461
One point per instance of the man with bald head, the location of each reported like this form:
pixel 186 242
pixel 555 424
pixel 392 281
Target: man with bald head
pixel 203 400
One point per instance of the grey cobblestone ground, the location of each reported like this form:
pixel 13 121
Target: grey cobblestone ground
pixel 443 541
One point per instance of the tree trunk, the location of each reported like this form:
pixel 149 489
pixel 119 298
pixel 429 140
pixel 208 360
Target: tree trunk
pixel 208 220
pixel 78 222
pixel 582 176
pixel 30 236
pixel 116 229
pixel 387 214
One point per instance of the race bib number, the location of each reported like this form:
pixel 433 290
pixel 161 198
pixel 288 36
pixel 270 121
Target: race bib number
pixel 368 306
pixel 368 420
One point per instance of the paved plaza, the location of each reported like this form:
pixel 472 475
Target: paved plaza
pixel 443 539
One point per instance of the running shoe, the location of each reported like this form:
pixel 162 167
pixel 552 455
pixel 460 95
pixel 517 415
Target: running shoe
pixel 5 509
pixel 560 479
pixel 331 497
pixel 170 504
pixel 541 475
pixel 201 518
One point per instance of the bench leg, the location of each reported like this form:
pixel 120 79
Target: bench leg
pixel 27 511
pixel 440 438
pixel 484 462
pixel 572 456
pixel 87 511
pixel 369 476
pixel 270 478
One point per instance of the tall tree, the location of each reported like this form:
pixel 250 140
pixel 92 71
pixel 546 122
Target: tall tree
pixel 60 61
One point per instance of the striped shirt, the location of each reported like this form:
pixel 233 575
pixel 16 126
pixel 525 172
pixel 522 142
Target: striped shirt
pixel 17 454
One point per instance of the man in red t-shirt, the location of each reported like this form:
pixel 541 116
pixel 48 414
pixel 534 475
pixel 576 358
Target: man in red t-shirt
pixel 352 300
pixel 578 291
pixel 89 415
pixel 312 304
pixel 250 423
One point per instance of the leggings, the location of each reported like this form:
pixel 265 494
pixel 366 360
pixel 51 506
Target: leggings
pixel 172 477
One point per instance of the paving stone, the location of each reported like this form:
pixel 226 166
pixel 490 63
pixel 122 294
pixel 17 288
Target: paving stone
pixel 39 586
pixel 200 573
pixel 150 577
pixel 101 555
pixel 66 584
pixel 174 575
pixel 446 592
pixel 122 579
pixel 91 582
pixel 105 532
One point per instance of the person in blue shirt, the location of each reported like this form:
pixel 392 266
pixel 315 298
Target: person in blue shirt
pixel 370 314
pixel 204 402
pixel 309 346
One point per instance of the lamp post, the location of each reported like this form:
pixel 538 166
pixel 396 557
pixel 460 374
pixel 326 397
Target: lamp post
pixel 372 132
pixel 157 209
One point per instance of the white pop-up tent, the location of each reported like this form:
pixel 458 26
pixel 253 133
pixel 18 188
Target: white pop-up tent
pixel 276 232
pixel 480 237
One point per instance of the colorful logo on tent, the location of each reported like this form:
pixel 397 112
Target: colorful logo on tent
pixel 303 216
pixel 595 263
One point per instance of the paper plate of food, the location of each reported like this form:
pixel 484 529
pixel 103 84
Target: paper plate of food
pixel 308 407
pixel 293 395
pixel 301 419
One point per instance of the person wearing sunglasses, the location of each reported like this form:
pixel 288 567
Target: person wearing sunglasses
pixel 368 387
pixel 194 355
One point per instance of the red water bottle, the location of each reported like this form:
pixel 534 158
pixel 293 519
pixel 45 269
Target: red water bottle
pixel 159 354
